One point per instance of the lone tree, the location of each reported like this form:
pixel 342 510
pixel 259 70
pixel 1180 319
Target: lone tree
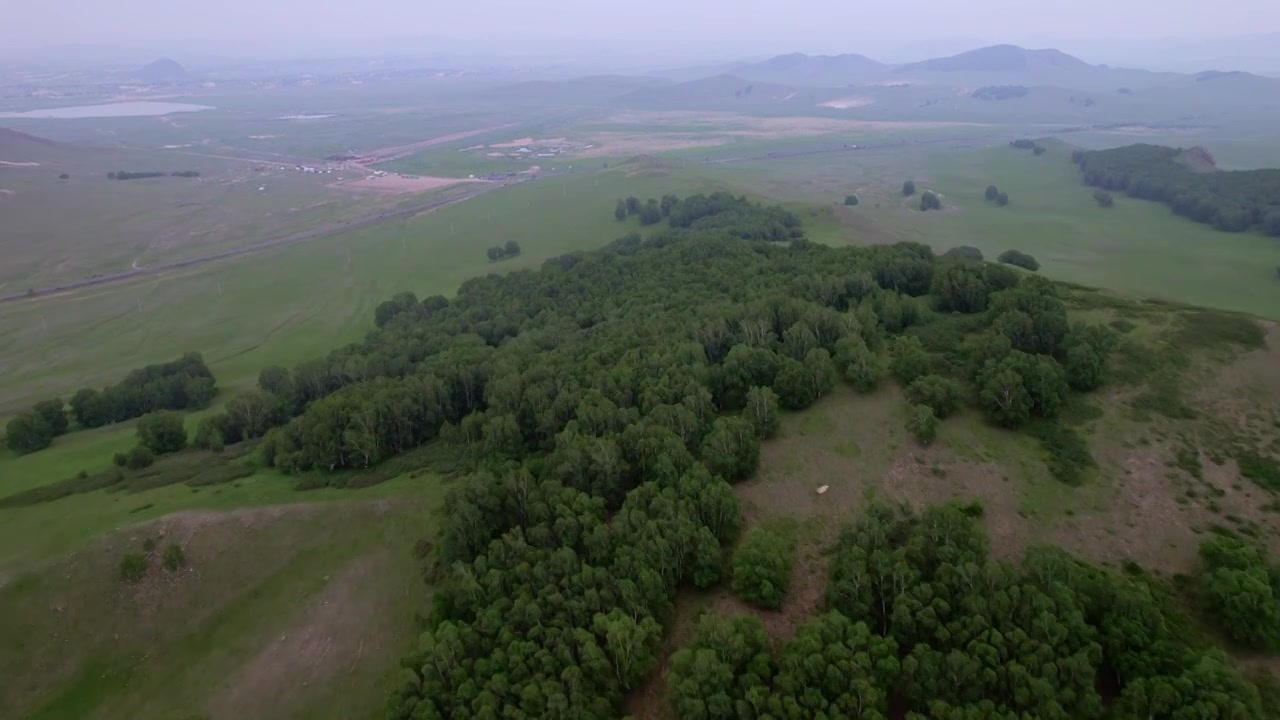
pixel 1002 199
pixel 992 193
pixel 162 432
pixel 850 200
pixel 929 201
pixel 620 211
pixel 1103 198
pixel 512 248
pixel 909 188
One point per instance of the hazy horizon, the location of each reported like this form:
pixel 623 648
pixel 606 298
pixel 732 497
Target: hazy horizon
pixel 1177 35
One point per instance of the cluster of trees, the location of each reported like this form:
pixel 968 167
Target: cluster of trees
pixel 1241 591
pixel 182 384
pixel 35 429
pixel 142 175
pixel 502 252
pixel 159 433
pixel 185 383
pixel 1025 144
pixel 650 212
pixel 1232 201
pixel 994 195
pixel 762 568
pixel 930 201
pixel 1000 92
pixel 923 623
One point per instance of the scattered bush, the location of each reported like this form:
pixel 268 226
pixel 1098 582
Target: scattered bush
pixel 162 432
pixel 133 568
pixel 922 423
pixel 963 252
pixel 762 568
pixel 938 393
pixel 174 557
pixel 1020 259
pixel 139 457
pixel 1002 199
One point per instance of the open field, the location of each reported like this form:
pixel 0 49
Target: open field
pixel 1136 247
pixel 309 624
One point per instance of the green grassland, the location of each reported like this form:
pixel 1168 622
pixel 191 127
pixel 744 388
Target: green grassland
pixel 1136 247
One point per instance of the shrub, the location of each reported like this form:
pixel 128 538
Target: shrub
pixel 762 568
pixel 909 188
pixel 1103 198
pixel 133 567
pixel 929 201
pixel 139 457
pixel 174 558
pixel 851 200
pixel 963 252
pixel 938 393
pixel 992 193
pixel 1020 259
pixel 922 423
pixel 162 432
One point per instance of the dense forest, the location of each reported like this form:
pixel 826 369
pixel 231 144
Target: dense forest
pixel 604 405
pixel 1232 201
pixel 923 623
pixel 182 384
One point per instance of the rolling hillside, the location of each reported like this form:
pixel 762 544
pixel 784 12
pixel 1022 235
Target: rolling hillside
pixel 724 91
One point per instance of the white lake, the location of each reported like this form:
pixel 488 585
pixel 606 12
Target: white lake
pixel 110 110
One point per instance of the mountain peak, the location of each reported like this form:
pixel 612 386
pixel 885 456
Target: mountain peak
pixel 162 70
pixel 1001 58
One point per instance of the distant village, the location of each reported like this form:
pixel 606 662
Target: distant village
pixel 530 148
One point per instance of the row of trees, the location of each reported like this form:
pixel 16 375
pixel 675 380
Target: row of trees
pixel 1231 201
pixel 182 384
pixel 923 623
pixel 185 383
pixel 502 252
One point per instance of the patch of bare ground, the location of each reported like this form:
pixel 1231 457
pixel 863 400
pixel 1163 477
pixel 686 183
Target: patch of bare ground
pixel 331 637
pixel 397 184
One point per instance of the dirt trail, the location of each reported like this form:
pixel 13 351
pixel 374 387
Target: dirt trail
pixel 330 637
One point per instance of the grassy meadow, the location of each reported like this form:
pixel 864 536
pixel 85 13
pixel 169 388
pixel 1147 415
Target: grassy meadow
pixel 1135 247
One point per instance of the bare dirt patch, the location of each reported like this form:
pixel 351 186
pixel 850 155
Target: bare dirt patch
pixel 397 184
pixel 330 638
pixel 513 143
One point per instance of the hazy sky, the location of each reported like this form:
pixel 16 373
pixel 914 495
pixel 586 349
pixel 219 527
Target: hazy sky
pixel 737 25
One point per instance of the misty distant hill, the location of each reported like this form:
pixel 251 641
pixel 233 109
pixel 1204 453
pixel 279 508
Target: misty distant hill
pixel 163 70
pixel 1000 58
pixel 720 92
pixel 822 70
pixel 19 147
pixel 588 89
